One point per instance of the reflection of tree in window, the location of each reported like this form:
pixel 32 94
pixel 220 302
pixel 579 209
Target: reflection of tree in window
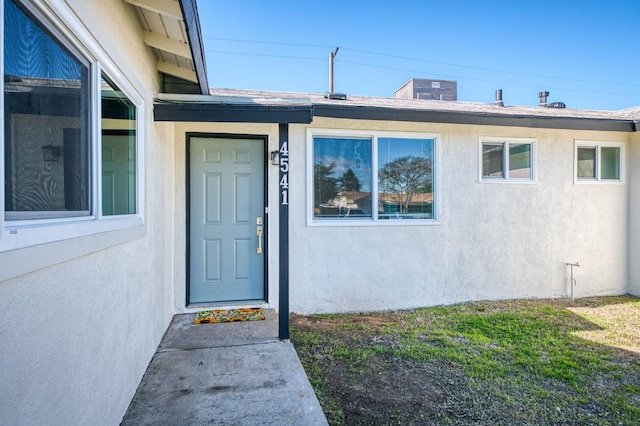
pixel 349 181
pixel 325 187
pixel 404 177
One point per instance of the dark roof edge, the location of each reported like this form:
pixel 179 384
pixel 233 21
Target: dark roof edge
pixel 194 34
pixel 225 113
pixel 304 114
pixel 478 118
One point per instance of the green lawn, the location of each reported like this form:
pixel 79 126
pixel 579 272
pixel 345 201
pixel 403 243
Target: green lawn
pixel 536 362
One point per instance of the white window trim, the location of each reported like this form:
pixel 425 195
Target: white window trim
pixel 16 235
pixel 583 143
pixel 506 141
pixel 373 135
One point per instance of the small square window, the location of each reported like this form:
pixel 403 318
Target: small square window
pixel 586 163
pixel 598 162
pixel 610 162
pixel 492 160
pixel 506 160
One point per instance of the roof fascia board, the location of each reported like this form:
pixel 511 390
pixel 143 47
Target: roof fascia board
pixel 455 117
pixel 224 113
pixel 196 108
pixel 194 34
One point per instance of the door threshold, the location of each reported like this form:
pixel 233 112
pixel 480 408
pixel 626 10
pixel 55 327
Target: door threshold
pixel 195 307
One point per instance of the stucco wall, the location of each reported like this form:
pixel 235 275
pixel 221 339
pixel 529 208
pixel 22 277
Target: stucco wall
pixel 494 241
pixel 634 214
pixel 76 337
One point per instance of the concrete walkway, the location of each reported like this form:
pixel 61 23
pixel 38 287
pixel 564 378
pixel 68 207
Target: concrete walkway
pixel 224 374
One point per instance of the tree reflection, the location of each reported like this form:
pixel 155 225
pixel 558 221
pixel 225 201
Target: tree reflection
pixel 325 186
pixel 404 177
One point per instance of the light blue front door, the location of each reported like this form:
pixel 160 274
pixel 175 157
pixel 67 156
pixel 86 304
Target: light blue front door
pixel 226 207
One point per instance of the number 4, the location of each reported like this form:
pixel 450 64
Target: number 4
pixel 284 182
pixel 284 149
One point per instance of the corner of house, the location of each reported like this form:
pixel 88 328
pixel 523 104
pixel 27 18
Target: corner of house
pixel 634 210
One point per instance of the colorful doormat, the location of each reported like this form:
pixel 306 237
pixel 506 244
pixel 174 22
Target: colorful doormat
pixel 229 315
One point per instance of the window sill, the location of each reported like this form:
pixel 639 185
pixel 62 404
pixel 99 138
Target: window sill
pixel 499 180
pixel 20 259
pixel 612 182
pixel 373 223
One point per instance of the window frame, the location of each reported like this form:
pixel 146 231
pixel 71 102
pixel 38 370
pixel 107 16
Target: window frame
pixel 374 220
pixel 63 25
pixel 598 145
pixel 506 142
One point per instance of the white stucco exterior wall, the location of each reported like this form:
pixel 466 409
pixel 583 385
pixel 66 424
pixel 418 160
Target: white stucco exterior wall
pixel 76 337
pixel 634 214
pixel 494 241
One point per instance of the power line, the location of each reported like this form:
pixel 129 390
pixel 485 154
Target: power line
pixel 271 42
pixel 368 52
pixel 265 55
pixel 485 80
pixel 489 69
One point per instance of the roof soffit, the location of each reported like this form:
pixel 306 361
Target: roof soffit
pixel 172 32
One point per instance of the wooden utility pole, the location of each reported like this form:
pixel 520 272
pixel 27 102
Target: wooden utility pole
pixel 331 56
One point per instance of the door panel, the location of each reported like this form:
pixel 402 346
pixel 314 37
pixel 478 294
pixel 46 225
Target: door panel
pixel 226 201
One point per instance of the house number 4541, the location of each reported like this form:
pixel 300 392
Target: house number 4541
pixel 284 173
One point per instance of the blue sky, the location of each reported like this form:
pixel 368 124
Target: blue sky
pixel 585 53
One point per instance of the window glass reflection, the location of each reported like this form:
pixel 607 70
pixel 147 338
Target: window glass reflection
pixel 341 178
pixel 118 151
pixel 520 161
pixel 405 178
pixel 587 163
pixel 47 98
pixel 492 160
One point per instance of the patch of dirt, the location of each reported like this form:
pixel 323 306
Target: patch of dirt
pixel 395 391
pixel 383 389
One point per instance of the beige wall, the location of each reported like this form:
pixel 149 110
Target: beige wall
pixel 77 336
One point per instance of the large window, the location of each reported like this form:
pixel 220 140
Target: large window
pixel 46 131
pixel 372 177
pixel 598 162
pixel 506 160
pixel 70 134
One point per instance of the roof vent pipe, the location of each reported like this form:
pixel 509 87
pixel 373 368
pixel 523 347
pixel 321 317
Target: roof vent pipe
pixel 498 101
pixel 543 98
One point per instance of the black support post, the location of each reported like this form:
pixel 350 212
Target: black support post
pixel 283 202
